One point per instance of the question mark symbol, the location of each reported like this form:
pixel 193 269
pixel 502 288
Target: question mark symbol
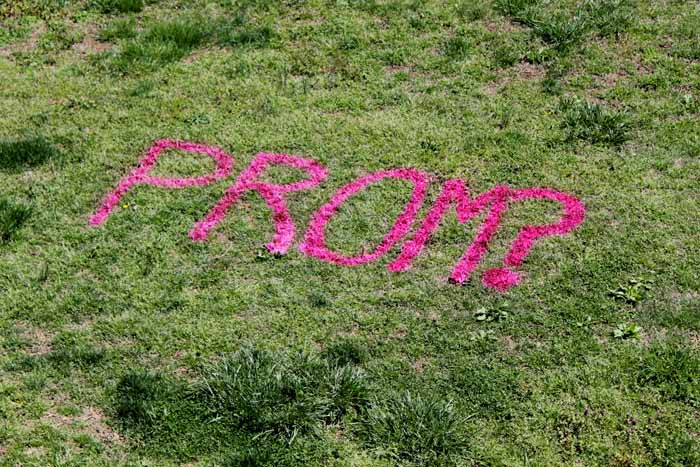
pixel 504 278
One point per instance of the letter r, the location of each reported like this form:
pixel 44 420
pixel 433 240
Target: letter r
pixel 273 194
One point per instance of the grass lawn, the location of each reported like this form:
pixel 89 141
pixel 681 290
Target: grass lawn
pixel 130 344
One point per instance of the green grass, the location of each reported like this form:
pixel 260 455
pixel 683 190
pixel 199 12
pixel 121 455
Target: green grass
pixel 128 344
pixel 593 123
pixel 120 6
pixel 252 394
pixel 565 26
pixel 12 216
pixel 164 42
pixel 237 32
pixel 423 430
pixel 171 40
pixel 24 154
pixel 673 370
pixel 123 28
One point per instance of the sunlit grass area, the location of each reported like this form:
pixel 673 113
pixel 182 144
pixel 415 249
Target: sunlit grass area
pixel 130 344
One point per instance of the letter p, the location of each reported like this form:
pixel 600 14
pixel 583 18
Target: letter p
pixel 139 176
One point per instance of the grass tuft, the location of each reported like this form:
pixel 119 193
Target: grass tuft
pixel 170 41
pixel 142 89
pixel 148 54
pixel 238 32
pixel 259 391
pixel 140 397
pixel 593 123
pixel 250 455
pixel 12 217
pixel 560 30
pixel 346 352
pixel 610 17
pixel 71 351
pixel 424 430
pixel 456 48
pixel 471 11
pixel 163 43
pixel 673 369
pixel 123 28
pixel 247 397
pixel 688 51
pixel 183 33
pixel 120 6
pixel 516 8
pixel 565 29
pixel 490 391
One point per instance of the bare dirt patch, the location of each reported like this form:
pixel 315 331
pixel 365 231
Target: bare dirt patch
pixel 491 88
pixel 502 26
pixel 611 79
pixel 41 343
pixel 40 340
pixel 653 335
pixel 36 451
pixel 393 69
pixel 400 333
pixel 509 345
pixel 90 44
pixel 529 71
pixel 194 56
pixel 81 326
pixel 419 364
pixel 522 72
pixel 353 332
pixel 26 46
pixel 90 421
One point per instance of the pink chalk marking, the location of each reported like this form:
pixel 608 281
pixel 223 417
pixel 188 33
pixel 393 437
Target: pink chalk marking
pixel 455 192
pixel 139 176
pixel 273 194
pixel 314 243
pixel 498 198
pixel 574 212
pixel 500 279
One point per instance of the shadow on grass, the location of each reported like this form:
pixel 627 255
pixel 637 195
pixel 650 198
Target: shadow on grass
pixel 119 6
pixel 25 153
pixel 172 40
